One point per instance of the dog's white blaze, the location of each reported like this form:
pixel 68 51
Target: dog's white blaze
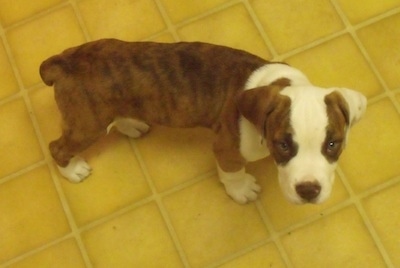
pixel 308 120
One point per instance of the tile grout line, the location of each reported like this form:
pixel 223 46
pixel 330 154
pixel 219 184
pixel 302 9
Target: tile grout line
pixel 80 20
pixel 36 250
pixel 205 14
pixel 24 94
pixel 311 45
pixel 115 214
pixel 13 65
pixel 75 231
pixel 163 211
pixel 356 200
pixel 374 234
pixel 388 93
pixel 352 30
pixel 188 183
pixel 380 187
pixel 260 29
pixel 376 18
pixel 275 236
pixel 142 202
pixel 171 28
pixel 10 98
pixel 315 217
pixel 60 192
pixel 22 171
pixel 18 94
pixel 36 16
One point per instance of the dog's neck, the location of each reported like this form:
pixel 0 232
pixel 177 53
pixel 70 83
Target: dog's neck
pixel 269 73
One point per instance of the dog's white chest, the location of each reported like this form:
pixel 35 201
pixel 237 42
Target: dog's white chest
pixel 252 145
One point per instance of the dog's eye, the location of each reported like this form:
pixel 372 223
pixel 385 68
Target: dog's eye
pixel 332 146
pixel 283 146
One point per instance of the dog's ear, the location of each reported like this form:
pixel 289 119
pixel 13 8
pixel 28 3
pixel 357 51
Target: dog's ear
pixel 258 103
pixel 356 104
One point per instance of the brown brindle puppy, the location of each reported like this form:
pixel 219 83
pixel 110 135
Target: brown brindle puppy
pixel 242 97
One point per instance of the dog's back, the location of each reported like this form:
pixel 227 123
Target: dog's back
pixel 134 79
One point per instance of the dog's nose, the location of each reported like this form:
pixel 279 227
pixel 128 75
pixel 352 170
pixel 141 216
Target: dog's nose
pixel 308 190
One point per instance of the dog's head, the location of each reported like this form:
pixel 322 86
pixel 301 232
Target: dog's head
pixel 305 129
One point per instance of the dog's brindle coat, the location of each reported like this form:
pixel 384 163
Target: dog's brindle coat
pixel 168 84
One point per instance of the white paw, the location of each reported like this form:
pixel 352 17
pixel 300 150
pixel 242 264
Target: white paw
pixel 244 190
pixel 130 127
pixel 76 171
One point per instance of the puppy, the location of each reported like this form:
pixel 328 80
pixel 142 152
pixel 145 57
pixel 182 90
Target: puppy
pixel 255 108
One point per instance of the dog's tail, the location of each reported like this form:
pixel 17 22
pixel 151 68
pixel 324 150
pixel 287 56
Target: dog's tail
pixel 52 69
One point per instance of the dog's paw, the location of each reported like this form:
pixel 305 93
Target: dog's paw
pixel 130 127
pixel 76 171
pixel 243 190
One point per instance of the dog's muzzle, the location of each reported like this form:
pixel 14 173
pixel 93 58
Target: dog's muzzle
pixel 308 191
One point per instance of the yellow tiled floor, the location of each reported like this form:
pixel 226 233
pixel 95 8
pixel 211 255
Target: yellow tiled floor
pixel 156 201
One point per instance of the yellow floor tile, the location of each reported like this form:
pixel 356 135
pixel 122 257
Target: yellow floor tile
pixel 385 217
pixel 291 24
pixel 173 156
pixel 116 181
pixel 210 225
pixel 63 255
pixel 19 145
pixel 164 38
pixel 367 163
pixel 138 238
pixel 335 68
pixel 47 114
pixel 265 256
pixel 358 11
pixel 216 29
pixel 31 213
pixel 340 240
pixel 377 36
pixel 124 19
pixel 32 43
pixel 181 10
pixel 9 84
pixel 13 11
pixel 281 212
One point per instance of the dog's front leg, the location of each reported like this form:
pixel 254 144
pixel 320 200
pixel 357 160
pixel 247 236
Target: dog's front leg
pixel 239 185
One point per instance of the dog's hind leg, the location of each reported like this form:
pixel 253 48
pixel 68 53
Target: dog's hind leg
pixel 130 127
pixel 65 152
